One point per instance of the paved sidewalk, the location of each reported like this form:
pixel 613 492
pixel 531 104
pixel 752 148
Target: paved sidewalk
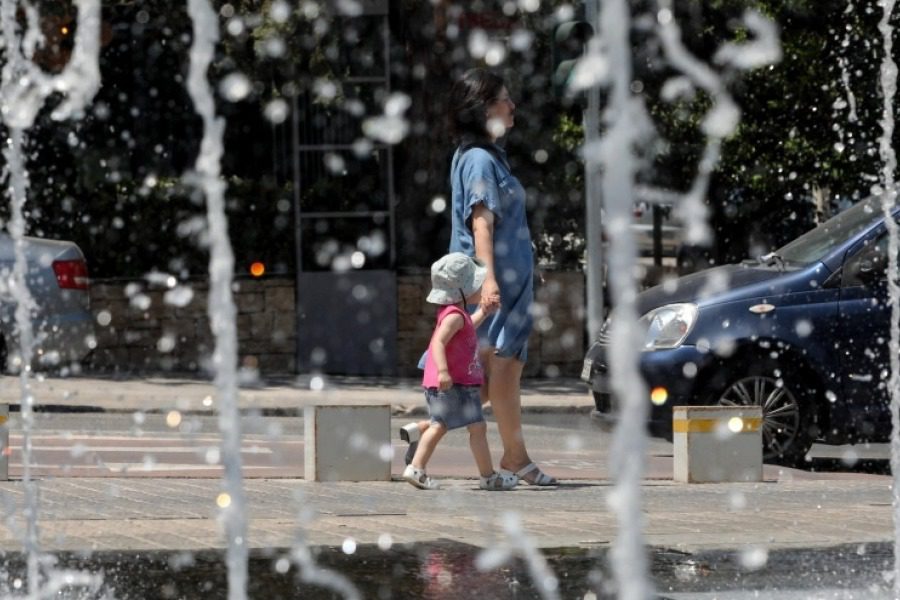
pixel 173 514
pixel 790 509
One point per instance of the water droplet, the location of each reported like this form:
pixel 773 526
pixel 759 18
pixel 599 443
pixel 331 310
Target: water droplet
pixel 166 343
pixel 754 558
pixel 276 111
pixel 140 301
pixel 280 11
pixel 173 418
pixel 335 163
pixel 478 43
pixel 282 565
pixel 386 452
pixel 385 541
pixel 235 87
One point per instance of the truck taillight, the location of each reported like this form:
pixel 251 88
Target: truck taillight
pixel 71 274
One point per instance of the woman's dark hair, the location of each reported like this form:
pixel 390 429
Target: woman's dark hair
pixel 469 99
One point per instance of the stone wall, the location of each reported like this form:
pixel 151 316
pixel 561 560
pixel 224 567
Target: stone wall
pixel 144 326
pixel 148 326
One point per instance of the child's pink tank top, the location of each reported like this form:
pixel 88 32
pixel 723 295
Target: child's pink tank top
pixel 462 353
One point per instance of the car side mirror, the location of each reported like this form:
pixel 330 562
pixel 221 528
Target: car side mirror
pixel 869 269
pixel 866 265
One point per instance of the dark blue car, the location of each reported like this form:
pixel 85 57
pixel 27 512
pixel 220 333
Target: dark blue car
pixel 803 332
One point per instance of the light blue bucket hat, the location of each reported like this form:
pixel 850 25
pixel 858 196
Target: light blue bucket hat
pixel 454 274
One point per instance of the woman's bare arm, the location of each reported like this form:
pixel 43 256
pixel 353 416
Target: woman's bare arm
pixel 483 234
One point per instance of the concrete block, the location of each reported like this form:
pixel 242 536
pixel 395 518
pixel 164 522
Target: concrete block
pixel 347 443
pixel 717 443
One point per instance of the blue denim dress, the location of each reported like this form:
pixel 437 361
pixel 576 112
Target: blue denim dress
pixel 481 176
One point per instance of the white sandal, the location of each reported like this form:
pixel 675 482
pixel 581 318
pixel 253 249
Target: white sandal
pixel 410 432
pixel 540 480
pixel 418 477
pixel 499 482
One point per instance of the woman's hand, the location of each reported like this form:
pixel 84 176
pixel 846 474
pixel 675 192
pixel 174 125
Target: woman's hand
pixel 490 295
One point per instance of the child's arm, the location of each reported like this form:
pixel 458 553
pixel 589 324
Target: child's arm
pixel 445 332
pixel 481 314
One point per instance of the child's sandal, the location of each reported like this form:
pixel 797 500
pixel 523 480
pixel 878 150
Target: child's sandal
pixel 499 482
pixel 410 434
pixel 417 477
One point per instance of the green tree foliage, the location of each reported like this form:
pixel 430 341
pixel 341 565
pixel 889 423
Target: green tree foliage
pixel 800 152
pixel 797 152
pixel 804 149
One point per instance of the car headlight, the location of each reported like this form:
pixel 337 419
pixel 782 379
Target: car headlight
pixel 667 326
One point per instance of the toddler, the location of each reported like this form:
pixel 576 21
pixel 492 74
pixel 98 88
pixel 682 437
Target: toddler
pixel 453 375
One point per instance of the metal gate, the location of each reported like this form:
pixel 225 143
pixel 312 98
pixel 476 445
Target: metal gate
pixel 343 206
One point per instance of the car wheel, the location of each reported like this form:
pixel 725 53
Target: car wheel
pixel 785 426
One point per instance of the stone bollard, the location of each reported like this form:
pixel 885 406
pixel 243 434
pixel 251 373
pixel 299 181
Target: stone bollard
pixel 717 443
pixel 5 450
pixel 347 443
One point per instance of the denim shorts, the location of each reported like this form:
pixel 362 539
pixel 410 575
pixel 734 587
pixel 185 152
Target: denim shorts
pixel 457 407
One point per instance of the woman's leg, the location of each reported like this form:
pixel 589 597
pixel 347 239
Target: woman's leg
pixel 506 401
pixel 484 357
pixel 504 393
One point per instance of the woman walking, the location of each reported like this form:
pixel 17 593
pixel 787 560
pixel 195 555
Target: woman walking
pixel 489 222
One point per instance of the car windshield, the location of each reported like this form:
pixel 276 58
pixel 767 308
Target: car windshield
pixel 815 244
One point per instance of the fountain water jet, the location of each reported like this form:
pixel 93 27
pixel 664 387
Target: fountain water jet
pixel 519 544
pixel 625 121
pixel 888 81
pixel 614 154
pixel 310 571
pixel 222 312
pixel 23 91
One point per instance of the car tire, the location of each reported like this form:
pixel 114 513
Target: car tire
pixel 787 411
